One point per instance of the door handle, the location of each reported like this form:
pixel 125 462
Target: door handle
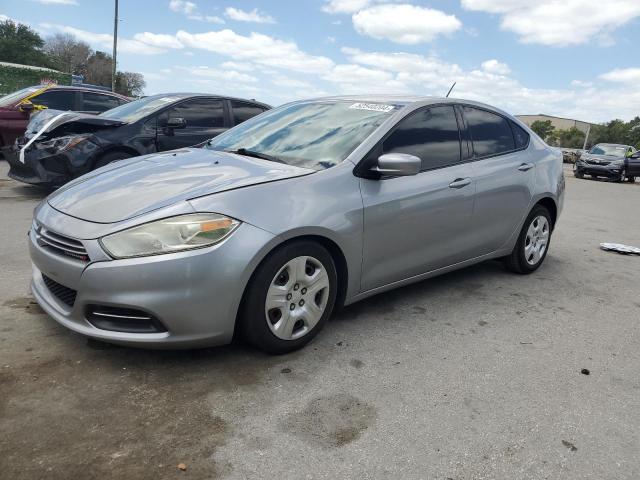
pixel 460 183
pixel 525 166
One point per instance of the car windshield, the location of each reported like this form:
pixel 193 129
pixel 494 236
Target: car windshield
pixel 14 97
pixel 134 111
pixel 315 135
pixel 611 150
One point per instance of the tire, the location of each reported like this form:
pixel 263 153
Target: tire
pixel 578 173
pixel 109 157
pixel 523 259
pixel 632 179
pixel 622 176
pixel 301 299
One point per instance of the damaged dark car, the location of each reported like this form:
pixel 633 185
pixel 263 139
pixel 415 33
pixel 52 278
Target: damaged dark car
pixel 59 146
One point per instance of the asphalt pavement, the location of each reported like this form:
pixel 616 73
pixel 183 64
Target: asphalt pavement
pixel 473 375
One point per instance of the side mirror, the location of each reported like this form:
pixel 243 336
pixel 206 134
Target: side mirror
pixel 26 107
pixel 398 164
pixel 176 122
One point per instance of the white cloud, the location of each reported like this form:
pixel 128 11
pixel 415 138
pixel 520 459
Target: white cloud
pixel 158 40
pixel 494 66
pixel 623 75
pixel 560 23
pixel 213 19
pixel 104 41
pixel 253 16
pixel 219 74
pixel 243 67
pixel 581 83
pixel 345 6
pixel 182 6
pixel 257 48
pixel 408 24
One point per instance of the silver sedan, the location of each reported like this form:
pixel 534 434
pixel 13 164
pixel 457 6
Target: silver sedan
pixel 270 226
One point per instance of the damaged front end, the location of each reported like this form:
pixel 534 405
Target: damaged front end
pixel 57 147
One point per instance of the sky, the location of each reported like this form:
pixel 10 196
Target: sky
pixel 570 58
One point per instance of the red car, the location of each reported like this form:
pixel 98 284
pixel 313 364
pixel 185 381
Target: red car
pixel 16 108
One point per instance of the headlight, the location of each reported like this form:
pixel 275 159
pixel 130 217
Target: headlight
pixel 64 143
pixel 174 234
pixel 617 163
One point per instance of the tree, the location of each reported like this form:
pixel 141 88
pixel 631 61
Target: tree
pixel 543 128
pixel 68 54
pixel 20 44
pixel 130 84
pixel 99 69
pixel 571 138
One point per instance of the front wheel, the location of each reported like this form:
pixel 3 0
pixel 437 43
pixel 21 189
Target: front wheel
pixel 289 298
pixel 578 173
pixel 632 179
pixel 622 176
pixel 533 242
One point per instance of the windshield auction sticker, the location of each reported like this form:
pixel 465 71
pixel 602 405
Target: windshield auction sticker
pixel 375 107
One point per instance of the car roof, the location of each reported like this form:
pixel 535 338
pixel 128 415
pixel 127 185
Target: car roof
pixel 614 145
pixel 84 89
pixel 412 101
pixel 211 95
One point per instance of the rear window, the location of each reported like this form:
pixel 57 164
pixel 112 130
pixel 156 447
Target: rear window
pixel 243 111
pixel 520 136
pixel 56 99
pixel 97 102
pixel 491 133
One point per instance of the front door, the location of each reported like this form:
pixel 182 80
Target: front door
pixel 418 223
pixel 204 119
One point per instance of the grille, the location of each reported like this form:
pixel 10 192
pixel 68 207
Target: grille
pixel 597 162
pixel 65 294
pixel 61 245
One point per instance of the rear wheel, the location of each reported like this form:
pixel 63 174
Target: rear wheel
pixel 533 242
pixel 289 298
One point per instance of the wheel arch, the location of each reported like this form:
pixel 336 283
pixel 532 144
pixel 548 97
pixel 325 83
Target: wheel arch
pixel 330 245
pixel 550 204
pixel 116 148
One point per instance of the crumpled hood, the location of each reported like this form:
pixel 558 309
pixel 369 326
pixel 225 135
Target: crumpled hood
pixel 605 159
pixel 61 123
pixel 139 185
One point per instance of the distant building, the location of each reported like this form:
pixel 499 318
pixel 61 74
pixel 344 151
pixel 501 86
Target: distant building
pixel 558 122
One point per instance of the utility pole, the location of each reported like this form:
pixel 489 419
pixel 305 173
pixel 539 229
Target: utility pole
pixel 586 137
pixel 115 49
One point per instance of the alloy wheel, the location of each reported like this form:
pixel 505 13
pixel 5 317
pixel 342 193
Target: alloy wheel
pixel 297 298
pixel 537 239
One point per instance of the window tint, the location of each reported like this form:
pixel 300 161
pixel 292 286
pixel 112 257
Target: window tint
pixel 490 133
pixel 56 99
pixel 430 134
pixel 96 102
pixel 199 113
pixel 520 135
pixel 244 111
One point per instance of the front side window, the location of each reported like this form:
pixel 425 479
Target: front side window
pixel 490 133
pixel 198 112
pixel 244 111
pixel 315 135
pixel 96 102
pixel 55 99
pixel 430 134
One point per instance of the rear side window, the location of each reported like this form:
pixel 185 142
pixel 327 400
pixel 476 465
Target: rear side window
pixel 244 111
pixel 491 133
pixel 198 112
pixel 56 99
pixel 430 134
pixel 96 102
pixel 520 135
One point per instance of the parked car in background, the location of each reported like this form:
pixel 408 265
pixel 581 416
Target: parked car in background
pixel 609 160
pixel 267 227
pixel 60 146
pixel 17 107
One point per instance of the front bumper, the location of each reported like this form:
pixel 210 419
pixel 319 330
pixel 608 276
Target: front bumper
pixel 46 167
pixel 195 294
pixel 609 171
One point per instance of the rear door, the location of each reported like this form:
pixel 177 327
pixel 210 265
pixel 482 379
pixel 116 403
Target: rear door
pixel 418 223
pixel 95 102
pixel 243 111
pixel 504 172
pixel 205 118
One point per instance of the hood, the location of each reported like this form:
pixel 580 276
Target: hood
pixel 605 159
pixel 57 123
pixel 140 185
